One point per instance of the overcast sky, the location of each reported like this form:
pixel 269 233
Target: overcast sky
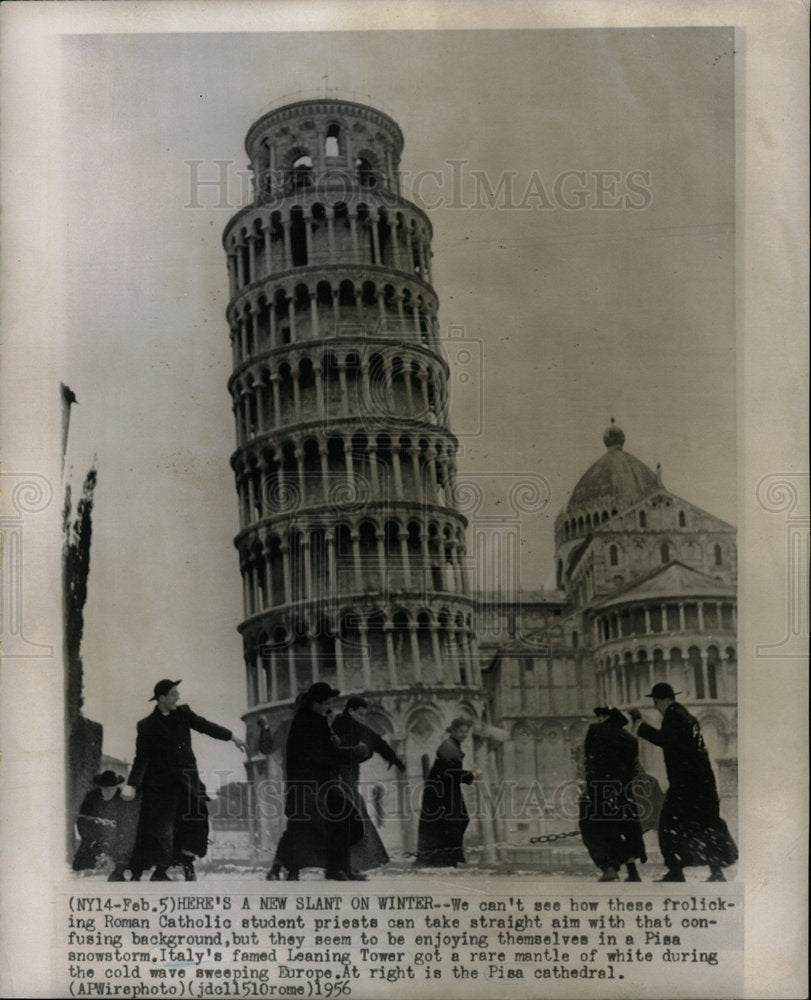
pixel 572 315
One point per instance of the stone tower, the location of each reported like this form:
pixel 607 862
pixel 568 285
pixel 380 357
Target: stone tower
pixel 351 549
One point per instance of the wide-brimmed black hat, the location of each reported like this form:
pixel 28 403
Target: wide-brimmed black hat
pixel 662 690
pixel 108 779
pixel 602 710
pixel 163 687
pixel 615 715
pixel 320 691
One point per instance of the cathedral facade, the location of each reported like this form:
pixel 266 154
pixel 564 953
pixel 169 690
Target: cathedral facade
pixel 646 592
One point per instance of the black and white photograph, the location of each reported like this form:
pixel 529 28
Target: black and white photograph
pixel 404 500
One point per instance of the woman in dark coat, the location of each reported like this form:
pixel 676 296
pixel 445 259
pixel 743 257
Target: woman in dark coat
pixel 351 729
pixel 106 825
pixel 691 831
pixel 609 819
pixel 443 816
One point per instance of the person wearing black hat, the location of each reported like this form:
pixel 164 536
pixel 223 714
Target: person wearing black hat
pixel 609 818
pixel 173 826
pixel 351 729
pixel 106 825
pixel 322 821
pixel 691 831
pixel 443 813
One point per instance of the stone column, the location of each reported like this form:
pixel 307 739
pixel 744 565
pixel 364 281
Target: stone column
pixel 331 235
pixel 373 471
pixel 319 392
pixel 322 452
pixel 409 392
pixel 308 570
pixel 402 538
pixel 275 378
pixel 415 652
pixel 251 259
pixel 390 659
pixel 273 335
pixel 353 232
pixel 486 823
pixel 397 473
pixel 339 662
pixel 439 664
pixel 705 674
pixel 291 668
pixel 267 236
pixel 308 240
pixel 274 680
pixel 381 560
pixel 344 390
pixel 378 259
pixel 356 555
pixel 363 628
pixel 288 250
pixel 288 589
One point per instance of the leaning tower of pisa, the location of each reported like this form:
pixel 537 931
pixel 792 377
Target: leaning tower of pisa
pixel 351 550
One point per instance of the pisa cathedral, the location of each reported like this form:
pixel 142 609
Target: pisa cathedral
pixel 352 546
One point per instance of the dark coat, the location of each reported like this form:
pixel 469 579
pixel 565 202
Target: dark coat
pixel 163 751
pixel 368 852
pixel 443 816
pixel 350 732
pixel 609 819
pixel 322 820
pixel 313 756
pixel 106 826
pixel 174 816
pixel 691 831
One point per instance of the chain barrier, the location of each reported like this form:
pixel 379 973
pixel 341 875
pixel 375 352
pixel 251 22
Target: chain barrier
pixel 549 837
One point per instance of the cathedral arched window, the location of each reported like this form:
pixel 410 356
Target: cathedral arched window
pixel 682 519
pixel 575 640
pixel 643 521
pixel 713 660
pixel 717 555
pixel 694 660
pixel 664 552
pixel 613 556
pixel 331 145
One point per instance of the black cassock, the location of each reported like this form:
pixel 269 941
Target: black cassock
pixel 443 816
pixel 369 851
pixel 609 818
pixel 322 820
pixel 691 831
pixel 174 814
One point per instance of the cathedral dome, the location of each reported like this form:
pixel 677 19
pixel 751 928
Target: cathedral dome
pixel 617 476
